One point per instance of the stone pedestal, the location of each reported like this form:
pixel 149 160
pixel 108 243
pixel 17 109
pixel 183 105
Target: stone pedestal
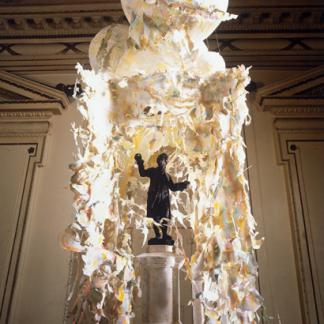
pixel 197 307
pixel 159 271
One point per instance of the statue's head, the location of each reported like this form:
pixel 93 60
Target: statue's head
pixel 162 160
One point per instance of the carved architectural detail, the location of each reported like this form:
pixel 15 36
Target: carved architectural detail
pixel 87 19
pixel 25 115
pixel 301 95
pixel 261 36
pixel 21 98
pixel 58 20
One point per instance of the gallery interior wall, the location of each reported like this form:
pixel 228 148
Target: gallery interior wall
pixel 39 47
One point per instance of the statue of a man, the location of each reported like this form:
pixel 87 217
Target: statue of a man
pixel 158 198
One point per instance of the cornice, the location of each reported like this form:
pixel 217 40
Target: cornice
pixel 262 36
pixel 28 99
pixel 296 111
pixel 275 19
pixel 57 21
pixel 22 115
pixel 297 96
pixel 292 86
pixel 85 20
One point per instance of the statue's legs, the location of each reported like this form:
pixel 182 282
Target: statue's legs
pixel 166 239
pixel 157 232
pixel 165 235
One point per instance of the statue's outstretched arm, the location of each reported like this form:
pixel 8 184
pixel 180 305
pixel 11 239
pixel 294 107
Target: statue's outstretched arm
pixel 140 163
pixel 180 186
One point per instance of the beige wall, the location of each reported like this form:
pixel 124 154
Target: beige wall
pixel 278 281
pixel 43 266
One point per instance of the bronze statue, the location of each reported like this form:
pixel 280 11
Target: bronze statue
pixel 158 198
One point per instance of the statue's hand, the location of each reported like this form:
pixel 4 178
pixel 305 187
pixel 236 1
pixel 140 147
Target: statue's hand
pixel 138 157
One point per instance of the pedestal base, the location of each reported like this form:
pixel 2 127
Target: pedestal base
pixel 159 271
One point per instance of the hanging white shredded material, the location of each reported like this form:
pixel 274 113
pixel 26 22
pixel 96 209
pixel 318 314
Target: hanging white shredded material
pixel 154 87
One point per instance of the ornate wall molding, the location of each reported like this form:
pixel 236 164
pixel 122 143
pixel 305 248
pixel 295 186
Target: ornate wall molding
pixel 291 134
pixel 87 19
pixel 58 20
pixel 31 135
pixel 25 109
pixel 263 36
pixel 299 96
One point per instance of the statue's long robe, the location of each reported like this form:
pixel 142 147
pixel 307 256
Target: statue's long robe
pixel 158 198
